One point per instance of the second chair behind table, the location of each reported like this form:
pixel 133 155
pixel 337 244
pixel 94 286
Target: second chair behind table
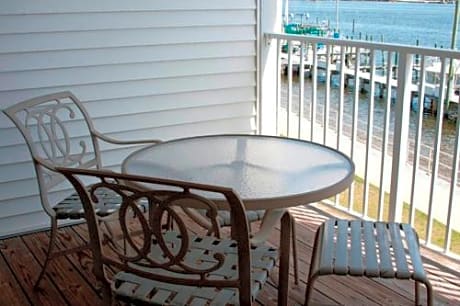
pixel 60 133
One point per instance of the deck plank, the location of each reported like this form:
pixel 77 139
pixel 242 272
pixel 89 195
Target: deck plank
pixel 82 261
pixel 26 269
pixel 69 280
pixel 9 287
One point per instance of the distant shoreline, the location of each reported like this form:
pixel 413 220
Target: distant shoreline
pixel 410 1
pixel 423 1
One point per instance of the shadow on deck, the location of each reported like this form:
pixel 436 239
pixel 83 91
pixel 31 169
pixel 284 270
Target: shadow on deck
pixel 69 280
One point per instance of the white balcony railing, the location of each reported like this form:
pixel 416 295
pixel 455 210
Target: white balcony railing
pixel 406 150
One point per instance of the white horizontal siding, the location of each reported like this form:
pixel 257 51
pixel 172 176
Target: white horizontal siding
pixel 23 223
pixel 148 69
pixel 35 23
pixel 123 72
pixel 56 59
pixel 145 104
pixel 91 6
pixel 137 88
pixel 36 42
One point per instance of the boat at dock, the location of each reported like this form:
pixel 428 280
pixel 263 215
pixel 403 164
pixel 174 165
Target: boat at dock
pixel 306 29
pixel 433 77
pixel 297 26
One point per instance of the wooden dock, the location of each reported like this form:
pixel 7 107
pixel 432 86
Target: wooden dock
pixel 364 75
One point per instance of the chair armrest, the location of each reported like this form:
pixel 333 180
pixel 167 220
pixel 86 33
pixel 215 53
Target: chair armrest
pixel 125 142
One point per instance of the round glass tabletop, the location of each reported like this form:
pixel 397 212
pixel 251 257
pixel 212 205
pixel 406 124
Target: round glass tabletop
pixel 266 171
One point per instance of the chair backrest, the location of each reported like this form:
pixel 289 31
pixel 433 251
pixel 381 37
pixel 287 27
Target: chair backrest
pixel 151 254
pixel 59 133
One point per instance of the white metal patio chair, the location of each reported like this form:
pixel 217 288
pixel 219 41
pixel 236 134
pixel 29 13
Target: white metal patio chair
pixel 173 261
pixel 224 220
pixel 59 133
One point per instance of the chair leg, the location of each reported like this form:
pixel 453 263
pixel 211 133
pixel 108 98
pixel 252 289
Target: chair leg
pixel 294 250
pixel 285 245
pixel 107 295
pixel 49 256
pixel 309 289
pixel 312 274
pixel 429 293
pixel 417 293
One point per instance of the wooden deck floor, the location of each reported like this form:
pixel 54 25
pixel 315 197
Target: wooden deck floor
pixel 69 280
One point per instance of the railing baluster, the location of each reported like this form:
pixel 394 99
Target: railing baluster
pixel 278 85
pixel 437 147
pixel 454 180
pixel 386 129
pixel 327 96
pixel 301 87
pixel 289 90
pixel 418 136
pixel 401 132
pixel 314 93
pixel 340 105
pixel 370 131
pixel 341 96
pixel 354 121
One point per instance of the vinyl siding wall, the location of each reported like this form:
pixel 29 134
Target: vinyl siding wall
pixel 144 69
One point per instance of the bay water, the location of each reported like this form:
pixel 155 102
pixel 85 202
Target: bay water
pixel 394 22
pixel 428 24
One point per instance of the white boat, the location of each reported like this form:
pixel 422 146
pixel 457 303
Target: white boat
pixel 433 80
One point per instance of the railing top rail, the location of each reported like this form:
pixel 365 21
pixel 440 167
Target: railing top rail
pixel 436 52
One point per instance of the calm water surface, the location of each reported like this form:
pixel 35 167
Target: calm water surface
pixel 402 23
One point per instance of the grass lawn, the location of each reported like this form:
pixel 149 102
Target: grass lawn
pixel 420 222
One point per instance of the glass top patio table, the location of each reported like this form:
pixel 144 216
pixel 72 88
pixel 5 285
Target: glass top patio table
pixel 267 172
